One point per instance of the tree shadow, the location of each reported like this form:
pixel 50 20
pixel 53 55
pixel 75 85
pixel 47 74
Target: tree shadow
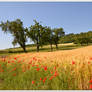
pixel 43 49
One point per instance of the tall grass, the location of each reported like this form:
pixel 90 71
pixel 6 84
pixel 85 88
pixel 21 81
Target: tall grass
pixel 37 74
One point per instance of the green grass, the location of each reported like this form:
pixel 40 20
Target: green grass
pixel 45 48
pixel 65 79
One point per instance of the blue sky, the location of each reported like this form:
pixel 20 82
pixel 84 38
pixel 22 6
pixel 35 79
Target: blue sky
pixel 74 17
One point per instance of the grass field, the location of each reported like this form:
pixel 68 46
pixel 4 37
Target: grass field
pixel 32 48
pixel 65 69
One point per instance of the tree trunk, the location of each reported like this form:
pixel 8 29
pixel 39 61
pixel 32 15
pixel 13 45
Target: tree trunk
pixel 37 47
pixel 24 48
pixel 87 43
pixel 57 46
pixel 51 47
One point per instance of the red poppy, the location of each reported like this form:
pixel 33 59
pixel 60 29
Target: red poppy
pixel 43 81
pixel 14 69
pixel 40 78
pixel 33 82
pixel 23 70
pixel 51 78
pixel 45 57
pixel 34 59
pixel 37 65
pixel 14 74
pixel 30 62
pixel 91 58
pixel 45 78
pixel 88 62
pixel 45 68
pixel 90 81
pixel 32 65
pixel 51 72
pixel 1 70
pixel 23 60
pixel 15 58
pixel 55 74
pixel 90 86
pixel 73 62
pixel 38 69
pixel 39 60
pixel 55 67
pixel 8 61
pixel 4 59
pixel 12 61
pixel 19 61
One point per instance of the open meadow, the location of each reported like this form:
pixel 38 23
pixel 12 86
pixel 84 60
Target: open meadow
pixel 45 45
pixel 57 70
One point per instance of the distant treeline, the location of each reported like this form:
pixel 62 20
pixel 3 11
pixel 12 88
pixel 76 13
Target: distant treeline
pixel 42 35
pixel 81 38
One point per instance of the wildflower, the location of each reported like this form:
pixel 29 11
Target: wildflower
pixel 73 62
pixel 90 86
pixel 1 70
pixel 43 81
pixel 51 72
pixel 55 67
pixel 4 59
pixel 32 65
pixel 23 60
pixel 6 65
pixel 45 68
pixel 45 57
pixel 30 62
pixel 88 62
pixel 55 74
pixel 39 60
pixel 40 78
pixel 91 58
pixel 12 61
pixel 37 65
pixel 33 82
pixel 23 70
pixel 42 66
pixel 8 61
pixel 51 78
pixel 34 59
pixel 90 81
pixel 38 69
pixel 14 69
pixel 19 61
pixel 14 74
pixel 15 58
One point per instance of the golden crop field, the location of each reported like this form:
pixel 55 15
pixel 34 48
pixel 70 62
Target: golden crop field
pixel 69 69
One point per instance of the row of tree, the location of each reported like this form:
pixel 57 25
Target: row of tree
pixel 81 38
pixel 37 33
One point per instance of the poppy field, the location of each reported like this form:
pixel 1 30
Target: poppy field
pixel 58 70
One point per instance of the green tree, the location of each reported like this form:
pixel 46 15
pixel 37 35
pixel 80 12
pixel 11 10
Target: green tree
pixel 48 36
pixel 69 38
pixel 57 34
pixel 35 33
pixel 83 38
pixel 17 30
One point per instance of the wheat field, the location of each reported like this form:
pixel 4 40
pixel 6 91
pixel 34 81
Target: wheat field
pixel 58 70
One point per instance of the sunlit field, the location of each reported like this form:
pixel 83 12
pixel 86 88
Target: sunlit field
pixel 58 70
